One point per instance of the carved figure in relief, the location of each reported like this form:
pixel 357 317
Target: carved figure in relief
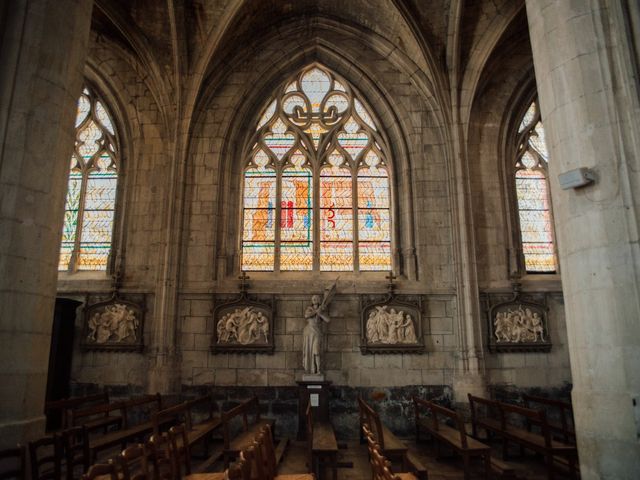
pixel 116 323
pixel 244 326
pixel 518 326
pixel 390 326
pixel 312 334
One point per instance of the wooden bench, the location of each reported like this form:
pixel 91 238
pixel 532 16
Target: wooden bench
pixel 322 445
pixel 64 406
pixel 564 430
pixel 455 437
pixel 392 447
pixel 197 429
pixel 130 430
pixel 510 431
pixel 103 416
pixel 249 430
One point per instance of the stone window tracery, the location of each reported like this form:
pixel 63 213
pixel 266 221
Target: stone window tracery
pixel 316 190
pixel 92 187
pixel 532 192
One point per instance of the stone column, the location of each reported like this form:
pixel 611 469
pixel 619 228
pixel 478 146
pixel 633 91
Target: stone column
pixel 42 53
pixel 586 61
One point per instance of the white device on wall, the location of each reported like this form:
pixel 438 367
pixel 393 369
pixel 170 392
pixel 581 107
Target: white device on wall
pixel 578 177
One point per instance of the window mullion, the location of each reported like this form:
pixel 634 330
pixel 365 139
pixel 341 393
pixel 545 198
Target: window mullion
pixel 277 233
pixel 75 255
pixel 316 215
pixel 356 230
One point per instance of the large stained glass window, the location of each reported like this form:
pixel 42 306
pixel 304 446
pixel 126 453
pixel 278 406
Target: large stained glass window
pixel 532 192
pixel 317 169
pixel 91 192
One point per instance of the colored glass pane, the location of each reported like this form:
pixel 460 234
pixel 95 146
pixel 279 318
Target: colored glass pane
pixel 267 115
pixel 91 192
pixel 352 139
pixel 294 130
pixel 375 256
pixel 103 116
pixel 257 257
pixel 296 217
pixel 336 256
pixel 84 106
pixel 315 84
pixel 279 142
pixel 535 221
pixel 363 114
pixel 532 192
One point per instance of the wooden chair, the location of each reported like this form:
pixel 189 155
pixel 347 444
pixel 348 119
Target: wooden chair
pixel 378 460
pixel 13 463
pixel 264 459
pixel 76 452
pixel 163 461
pixel 133 463
pixel 101 471
pixel 178 437
pixel 45 455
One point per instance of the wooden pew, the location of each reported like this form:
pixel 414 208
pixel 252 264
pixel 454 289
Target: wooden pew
pixel 391 446
pixel 565 429
pixel 510 431
pixel 249 430
pixel 67 406
pixel 455 437
pixel 197 429
pixel 322 445
pixel 130 431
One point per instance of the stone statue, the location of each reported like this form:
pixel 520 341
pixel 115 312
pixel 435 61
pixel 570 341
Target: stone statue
pixel 312 335
pixel 244 326
pixel 390 327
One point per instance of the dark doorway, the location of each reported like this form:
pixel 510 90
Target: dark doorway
pixel 60 356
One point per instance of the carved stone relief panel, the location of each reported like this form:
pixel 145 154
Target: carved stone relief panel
pixel 243 325
pixel 115 324
pixel 391 326
pixel 518 325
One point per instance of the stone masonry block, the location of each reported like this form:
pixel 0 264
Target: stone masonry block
pixel 442 325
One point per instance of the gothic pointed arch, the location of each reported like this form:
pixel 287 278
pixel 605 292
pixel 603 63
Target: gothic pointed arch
pixel 316 194
pixel 530 177
pixel 90 203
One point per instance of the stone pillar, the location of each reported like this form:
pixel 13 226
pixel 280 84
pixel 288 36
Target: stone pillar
pixel 586 66
pixel 43 45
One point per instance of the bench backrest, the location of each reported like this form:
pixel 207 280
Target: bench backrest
pixel 242 410
pixel 193 405
pixel 565 409
pixel 166 418
pixel 80 416
pixel 152 403
pixel 72 403
pixel 371 418
pixel 438 410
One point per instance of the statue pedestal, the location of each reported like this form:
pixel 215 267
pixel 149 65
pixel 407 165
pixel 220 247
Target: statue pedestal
pixel 316 392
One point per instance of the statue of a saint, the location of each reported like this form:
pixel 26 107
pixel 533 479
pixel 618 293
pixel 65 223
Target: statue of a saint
pixel 312 335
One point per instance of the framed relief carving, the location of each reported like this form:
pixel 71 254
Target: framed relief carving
pixel 518 325
pixel 243 326
pixel 115 325
pixel 391 325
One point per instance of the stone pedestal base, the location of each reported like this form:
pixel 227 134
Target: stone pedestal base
pixel 313 377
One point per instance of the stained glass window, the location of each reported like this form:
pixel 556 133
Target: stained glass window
pixel 532 192
pixel 91 191
pixel 318 170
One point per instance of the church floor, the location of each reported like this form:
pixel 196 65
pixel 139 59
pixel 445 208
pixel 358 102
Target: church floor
pixel 447 468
